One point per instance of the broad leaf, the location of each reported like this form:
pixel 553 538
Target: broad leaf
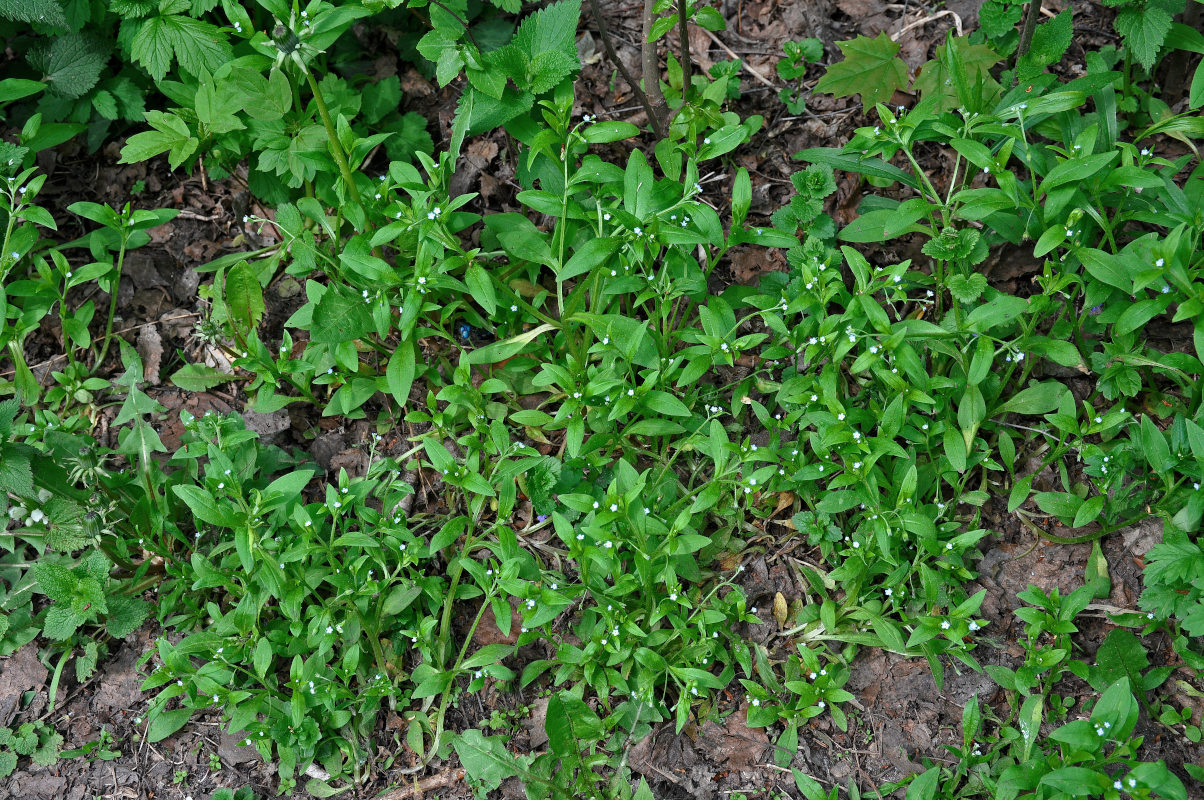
pixel 870 68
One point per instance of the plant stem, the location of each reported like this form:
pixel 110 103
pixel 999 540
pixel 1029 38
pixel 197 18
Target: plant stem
pixel 113 287
pixel 336 147
pixel 686 66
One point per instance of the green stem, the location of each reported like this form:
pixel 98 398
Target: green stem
pixel 113 289
pixel 336 147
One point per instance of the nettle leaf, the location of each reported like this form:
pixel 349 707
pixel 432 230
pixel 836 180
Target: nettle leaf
pixel 1050 40
pixel 997 17
pixel 1144 27
pixel 551 28
pixel 198 46
pixel 71 64
pixel 43 12
pixel 870 68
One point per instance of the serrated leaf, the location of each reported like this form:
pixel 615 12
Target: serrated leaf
pixel 553 27
pixel 870 68
pixel 55 581
pixel 43 12
pixel 71 64
pixel 198 46
pixel 1050 40
pixel 125 615
pixel 60 623
pixel 967 289
pixel 1145 28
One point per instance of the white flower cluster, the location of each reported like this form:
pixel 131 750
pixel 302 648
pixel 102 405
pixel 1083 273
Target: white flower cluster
pixel 33 514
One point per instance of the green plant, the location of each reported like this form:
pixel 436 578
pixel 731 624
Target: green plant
pixel 792 67
pixel 36 739
pixel 103 747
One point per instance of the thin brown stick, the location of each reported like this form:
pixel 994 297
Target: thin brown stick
pixel 419 788
pixel 604 34
pixel 650 70
pixel 743 62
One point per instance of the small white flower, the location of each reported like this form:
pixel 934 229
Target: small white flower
pixel 614 507
pixel 944 624
pixel 840 416
pixel 1159 262
pixel 973 626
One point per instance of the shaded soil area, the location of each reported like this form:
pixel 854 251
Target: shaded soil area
pixel 899 720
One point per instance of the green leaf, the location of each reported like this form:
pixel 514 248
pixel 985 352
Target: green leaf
pixel 1076 170
pixel 1062 505
pixel 203 506
pixel 609 131
pixel 1040 398
pixel 198 46
pixel 1105 267
pixel 55 581
pixel 261 659
pixel 1050 40
pixel 61 622
pixel 486 760
pixel 591 254
pixel 552 28
pixel 570 725
pixel 967 289
pixel 870 68
pixel 1155 447
pixel 870 167
pixel 1031 714
pixel 170 135
pixel 480 285
pixel 923 786
pixel 125 615
pixel 401 598
pixel 1144 27
pixel 340 317
pixel 244 297
pixel 199 377
pixel 665 403
pixel 400 371
pixel 165 723
pixel 836 502
pixel 42 12
pixel 71 64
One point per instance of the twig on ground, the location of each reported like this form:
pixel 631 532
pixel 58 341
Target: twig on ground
pixel 957 23
pixel 743 63
pixel 417 789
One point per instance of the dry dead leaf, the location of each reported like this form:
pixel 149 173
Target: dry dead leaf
pixel 150 347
